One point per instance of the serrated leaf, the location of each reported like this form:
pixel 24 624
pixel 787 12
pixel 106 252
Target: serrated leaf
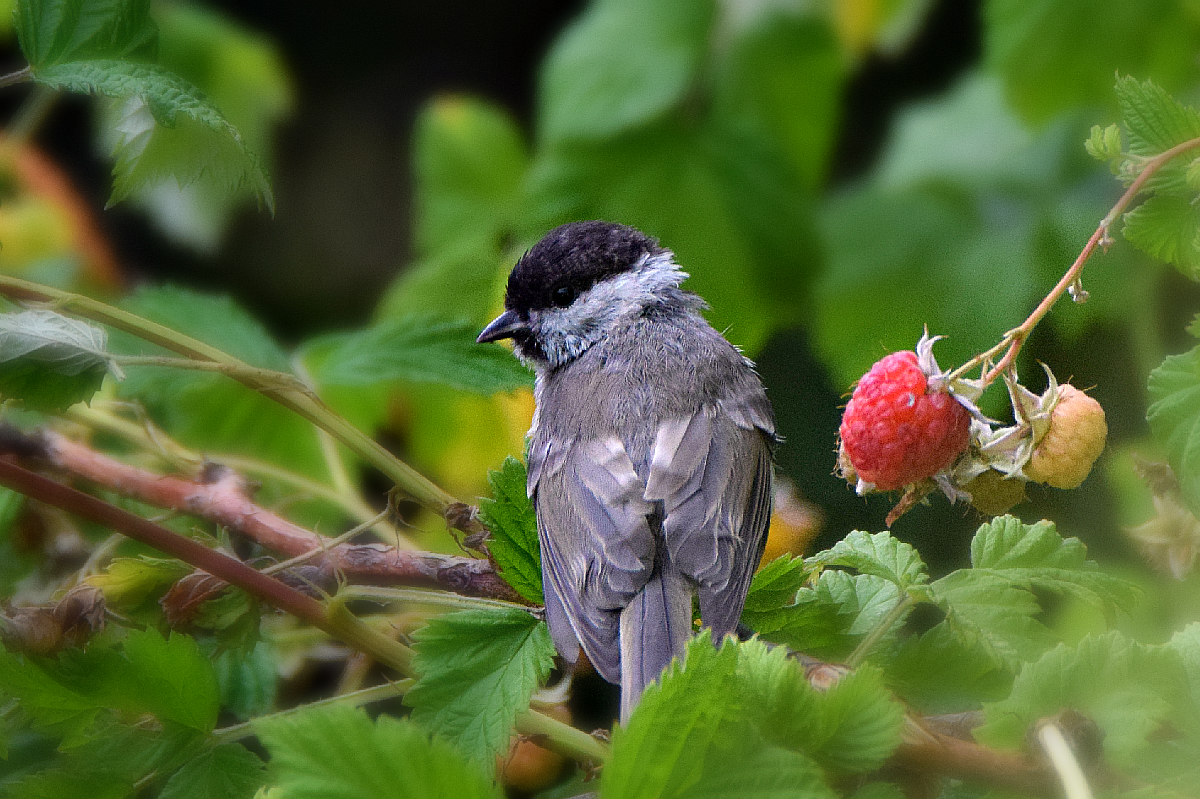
pixel 588 94
pixel 477 670
pixel 339 753
pixel 1167 228
pixel 1174 416
pixel 172 677
pixel 54 31
pixel 127 582
pixel 879 554
pixel 243 73
pixel 167 128
pixel 993 607
pixel 510 517
pixel 940 671
pixel 111 762
pixel 230 771
pixel 991 613
pixel 695 733
pixel 1126 688
pixel 415 350
pixel 775 584
pixel 50 361
pixel 247 680
pixel 145 673
pixel 831 617
pixel 851 727
pixel 1155 120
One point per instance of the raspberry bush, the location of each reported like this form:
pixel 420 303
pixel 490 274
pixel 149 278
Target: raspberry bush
pixel 236 566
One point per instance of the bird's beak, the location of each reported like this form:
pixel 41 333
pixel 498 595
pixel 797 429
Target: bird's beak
pixel 506 325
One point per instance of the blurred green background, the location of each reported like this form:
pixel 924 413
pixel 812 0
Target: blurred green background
pixel 834 174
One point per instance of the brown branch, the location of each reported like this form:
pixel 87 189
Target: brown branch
pixel 221 496
pixel 926 751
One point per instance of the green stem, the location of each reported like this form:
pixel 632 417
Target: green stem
pixel 1014 339
pixel 283 388
pixel 22 75
pixel 879 630
pixel 565 738
pixel 364 696
pixel 158 442
pixel 421 596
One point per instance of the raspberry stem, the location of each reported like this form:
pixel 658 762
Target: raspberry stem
pixel 1014 339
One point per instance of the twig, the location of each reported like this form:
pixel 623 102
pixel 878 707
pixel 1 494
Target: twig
pixel 1015 339
pixel 222 499
pixel 332 618
pixel 930 752
pixel 363 696
pixel 145 435
pixel 283 388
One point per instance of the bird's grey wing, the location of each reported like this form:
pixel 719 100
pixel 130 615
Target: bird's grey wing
pixel 712 472
pixel 597 546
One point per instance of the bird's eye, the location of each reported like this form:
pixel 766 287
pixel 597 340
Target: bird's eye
pixel 564 296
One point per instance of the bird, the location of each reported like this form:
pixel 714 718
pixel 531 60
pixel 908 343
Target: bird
pixel 650 454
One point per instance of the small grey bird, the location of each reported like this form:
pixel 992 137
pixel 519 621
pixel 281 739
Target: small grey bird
pixel 649 454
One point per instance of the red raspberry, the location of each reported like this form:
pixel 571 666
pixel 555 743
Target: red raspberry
pixel 895 431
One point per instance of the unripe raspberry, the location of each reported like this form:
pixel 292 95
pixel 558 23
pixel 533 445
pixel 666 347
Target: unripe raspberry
pixel 895 431
pixel 1063 457
pixel 993 493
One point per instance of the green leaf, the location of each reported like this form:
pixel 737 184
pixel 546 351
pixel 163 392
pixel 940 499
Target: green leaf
pixel 510 517
pixel 208 411
pixel 1104 677
pixel 243 72
pixel 695 734
pixel 830 618
pixel 50 361
pixel 1049 67
pixel 783 76
pixel 588 94
pixel 111 762
pixel 339 753
pixel 886 246
pixel 230 771
pixel 169 678
pixel 469 161
pixel 55 31
pixel 994 605
pixel 1154 120
pixel 775 584
pixel 414 349
pixel 478 670
pixel 989 612
pixel 167 128
pixel 942 671
pixel 1174 417
pixel 879 554
pixel 247 680
pixel 1168 229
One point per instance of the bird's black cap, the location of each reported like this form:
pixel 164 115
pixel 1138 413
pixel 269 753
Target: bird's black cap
pixel 574 257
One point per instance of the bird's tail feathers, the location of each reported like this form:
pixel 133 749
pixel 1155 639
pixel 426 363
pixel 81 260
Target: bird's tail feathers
pixel 655 627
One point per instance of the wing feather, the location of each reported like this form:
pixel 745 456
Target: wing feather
pixel 712 472
pixel 597 545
